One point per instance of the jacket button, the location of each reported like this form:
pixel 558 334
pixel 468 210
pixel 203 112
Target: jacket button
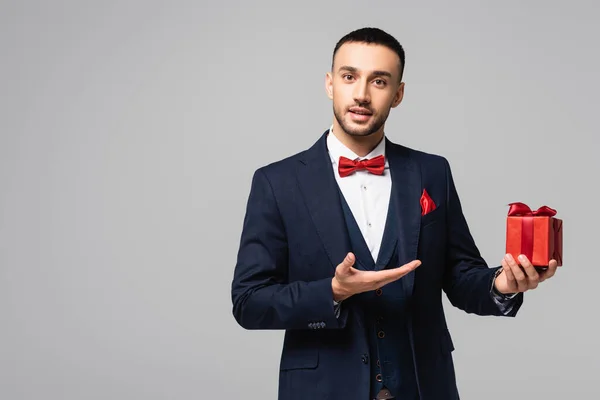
pixel 365 359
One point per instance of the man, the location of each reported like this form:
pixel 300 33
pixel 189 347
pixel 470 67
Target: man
pixel 347 246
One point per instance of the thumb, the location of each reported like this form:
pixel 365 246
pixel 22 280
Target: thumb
pixel 348 262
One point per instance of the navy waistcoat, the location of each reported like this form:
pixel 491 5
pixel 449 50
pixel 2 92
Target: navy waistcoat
pixel 391 361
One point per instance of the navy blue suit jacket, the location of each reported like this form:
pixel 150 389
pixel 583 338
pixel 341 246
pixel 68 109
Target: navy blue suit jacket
pixel 294 236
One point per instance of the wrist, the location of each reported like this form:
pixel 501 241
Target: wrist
pixel 338 293
pixel 495 287
pixel 498 287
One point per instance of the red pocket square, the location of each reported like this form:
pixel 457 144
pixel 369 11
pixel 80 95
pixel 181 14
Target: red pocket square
pixel 427 204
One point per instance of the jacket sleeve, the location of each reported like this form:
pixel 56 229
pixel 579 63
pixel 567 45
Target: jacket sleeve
pixel 261 295
pixel 468 280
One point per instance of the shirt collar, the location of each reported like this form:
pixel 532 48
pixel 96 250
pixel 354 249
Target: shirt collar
pixel 337 149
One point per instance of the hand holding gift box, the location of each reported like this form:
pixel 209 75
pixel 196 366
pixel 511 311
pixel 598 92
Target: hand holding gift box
pixel 534 238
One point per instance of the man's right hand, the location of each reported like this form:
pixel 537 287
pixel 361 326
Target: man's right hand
pixel 349 281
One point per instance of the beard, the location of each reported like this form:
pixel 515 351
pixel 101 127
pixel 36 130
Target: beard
pixel 358 129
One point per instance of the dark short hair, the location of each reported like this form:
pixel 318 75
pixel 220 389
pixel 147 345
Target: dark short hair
pixel 374 36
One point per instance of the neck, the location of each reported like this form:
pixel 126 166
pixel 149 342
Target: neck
pixel 361 145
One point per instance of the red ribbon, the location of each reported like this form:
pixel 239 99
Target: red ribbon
pixel 522 210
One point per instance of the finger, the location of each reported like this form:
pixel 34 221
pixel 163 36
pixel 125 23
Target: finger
pixel 390 275
pixel 533 277
pixel 549 273
pixel 520 276
pixel 510 277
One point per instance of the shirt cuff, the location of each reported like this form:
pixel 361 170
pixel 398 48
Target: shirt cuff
pixel 336 308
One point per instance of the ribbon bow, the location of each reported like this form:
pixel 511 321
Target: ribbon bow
pixel 521 209
pixel 375 165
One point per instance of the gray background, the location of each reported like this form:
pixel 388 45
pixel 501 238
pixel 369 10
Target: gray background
pixel 129 132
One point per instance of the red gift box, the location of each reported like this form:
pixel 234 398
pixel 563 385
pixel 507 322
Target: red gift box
pixel 536 234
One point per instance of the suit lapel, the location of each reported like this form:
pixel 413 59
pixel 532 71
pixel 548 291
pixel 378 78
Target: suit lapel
pixel 321 195
pixel 406 194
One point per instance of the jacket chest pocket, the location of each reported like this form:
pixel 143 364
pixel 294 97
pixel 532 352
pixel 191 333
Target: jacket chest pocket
pixel 433 217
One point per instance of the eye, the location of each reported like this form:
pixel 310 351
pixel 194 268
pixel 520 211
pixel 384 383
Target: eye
pixel 347 77
pixel 380 82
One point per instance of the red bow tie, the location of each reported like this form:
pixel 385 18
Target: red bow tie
pixel 375 165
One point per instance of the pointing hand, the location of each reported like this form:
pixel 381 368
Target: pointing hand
pixel 349 281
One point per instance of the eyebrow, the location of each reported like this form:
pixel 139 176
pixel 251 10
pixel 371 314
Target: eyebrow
pixel 353 69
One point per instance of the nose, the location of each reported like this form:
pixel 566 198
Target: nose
pixel 361 93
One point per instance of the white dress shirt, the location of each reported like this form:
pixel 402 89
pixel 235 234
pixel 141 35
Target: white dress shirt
pixel 367 194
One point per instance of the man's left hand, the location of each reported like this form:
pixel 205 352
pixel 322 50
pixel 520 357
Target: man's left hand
pixel 516 278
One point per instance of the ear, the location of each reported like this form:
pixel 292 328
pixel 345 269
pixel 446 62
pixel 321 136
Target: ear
pixel 398 96
pixel 329 85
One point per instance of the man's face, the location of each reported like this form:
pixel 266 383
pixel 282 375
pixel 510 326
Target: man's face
pixel 364 85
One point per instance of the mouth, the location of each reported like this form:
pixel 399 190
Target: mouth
pixel 360 111
pixel 359 114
